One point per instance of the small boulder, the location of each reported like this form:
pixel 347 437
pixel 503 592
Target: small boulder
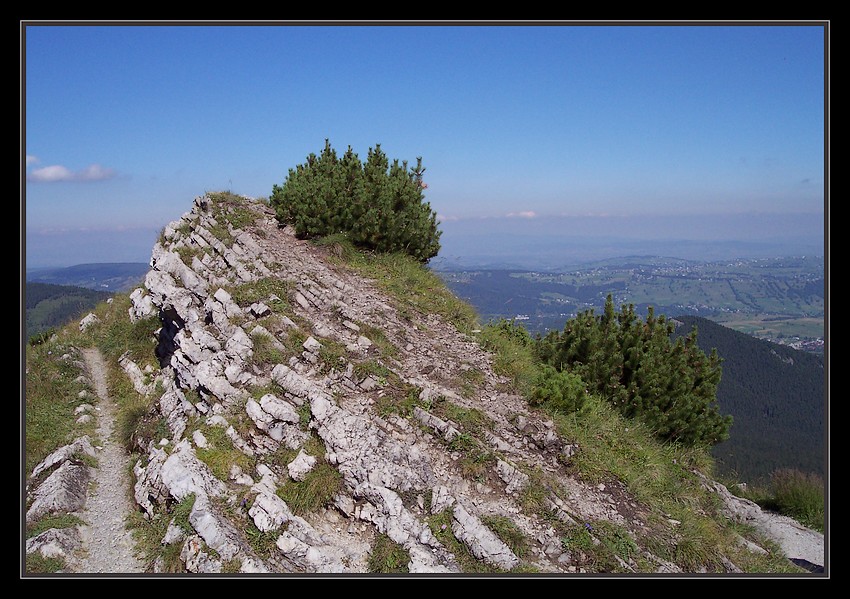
pixel 301 465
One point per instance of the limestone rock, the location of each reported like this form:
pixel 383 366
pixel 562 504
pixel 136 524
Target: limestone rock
pixel 196 559
pixel 200 440
pixel 269 512
pixel 173 534
pixel 482 542
pixel 55 543
pixel 446 430
pixel 239 344
pixel 311 345
pixel 300 466
pixel 88 321
pixel 63 491
pixel 515 480
pixel 217 532
pixel 141 305
pixel 279 409
pixel 259 310
pixel 79 445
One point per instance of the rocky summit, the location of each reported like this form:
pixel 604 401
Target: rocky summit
pixel 305 422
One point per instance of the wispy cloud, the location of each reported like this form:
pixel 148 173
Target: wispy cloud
pixel 522 214
pixel 444 218
pixel 57 172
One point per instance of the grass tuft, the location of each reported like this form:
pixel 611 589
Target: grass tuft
pixel 509 533
pixel 388 557
pixel 220 454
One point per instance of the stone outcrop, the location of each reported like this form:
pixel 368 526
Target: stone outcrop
pixel 63 491
pixel 278 350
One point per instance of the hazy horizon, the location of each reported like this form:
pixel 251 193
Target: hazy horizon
pixel 557 242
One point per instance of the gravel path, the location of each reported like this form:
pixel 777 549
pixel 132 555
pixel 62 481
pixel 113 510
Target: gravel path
pixel 107 545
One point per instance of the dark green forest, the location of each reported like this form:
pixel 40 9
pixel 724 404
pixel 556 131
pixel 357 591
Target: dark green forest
pixel 49 306
pixel 776 396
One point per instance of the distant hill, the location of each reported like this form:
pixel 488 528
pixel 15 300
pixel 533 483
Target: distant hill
pixel 50 306
pixel 107 276
pixel 776 396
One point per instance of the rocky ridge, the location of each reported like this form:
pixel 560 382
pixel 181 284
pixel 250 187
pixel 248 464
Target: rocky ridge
pixel 282 372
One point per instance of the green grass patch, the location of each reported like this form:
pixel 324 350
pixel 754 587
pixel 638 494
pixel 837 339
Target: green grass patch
pixel 187 251
pixel 317 489
pixel 798 495
pixel 137 424
pixel 115 334
pixel 399 398
pixel 463 442
pixel 509 533
pixel 614 447
pixel 257 391
pixel 294 341
pixel 36 564
pixel 272 291
pixel 371 368
pixel 616 539
pixel 471 420
pixel 337 247
pixel 51 395
pixel 388 557
pixel 596 546
pixel 265 353
pixel 655 474
pixel 789 492
pixel 263 543
pixel 470 381
pixel 698 544
pixel 513 355
pixel 148 534
pixel 229 208
pixel 314 446
pixel 379 339
pixel 415 288
pixel 232 566
pixel 534 497
pixel 332 355
pixel 184 229
pixel 319 486
pixel 477 463
pixel 240 217
pixel 304 414
pixel 53 521
pixel 220 454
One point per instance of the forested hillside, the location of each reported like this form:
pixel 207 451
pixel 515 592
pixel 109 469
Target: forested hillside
pixel 776 397
pixel 50 306
pixel 105 276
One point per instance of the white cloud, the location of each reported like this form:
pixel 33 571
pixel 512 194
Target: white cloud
pixel 444 218
pixel 51 173
pixel 95 172
pixel 522 214
pixel 31 160
pixel 54 173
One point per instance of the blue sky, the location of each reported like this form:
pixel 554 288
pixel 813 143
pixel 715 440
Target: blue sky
pixel 565 128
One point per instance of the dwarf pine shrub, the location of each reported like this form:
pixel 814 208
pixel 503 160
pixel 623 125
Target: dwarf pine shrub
pixel 378 205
